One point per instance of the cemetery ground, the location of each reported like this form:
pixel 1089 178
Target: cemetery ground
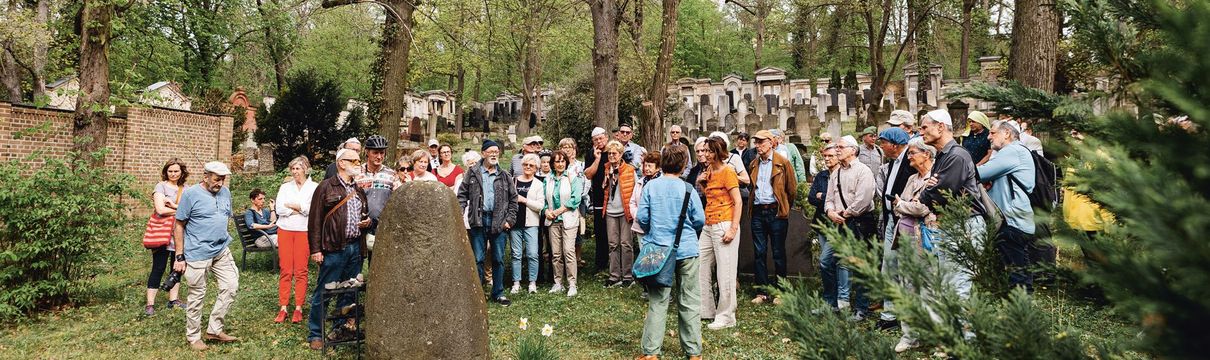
pixel 597 324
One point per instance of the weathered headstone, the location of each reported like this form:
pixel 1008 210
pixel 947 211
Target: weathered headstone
pixel 832 117
pixel 413 257
pixel 730 126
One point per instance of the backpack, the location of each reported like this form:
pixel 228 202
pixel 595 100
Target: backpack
pixel 1045 195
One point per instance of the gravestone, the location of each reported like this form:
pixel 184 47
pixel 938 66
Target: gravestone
pixel 814 125
pixel 753 120
pixel 415 131
pixel 413 257
pixel 712 125
pixel 832 117
pixel 687 119
pixel 729 124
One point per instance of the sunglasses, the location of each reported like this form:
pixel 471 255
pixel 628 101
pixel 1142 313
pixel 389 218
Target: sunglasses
pixel 352 161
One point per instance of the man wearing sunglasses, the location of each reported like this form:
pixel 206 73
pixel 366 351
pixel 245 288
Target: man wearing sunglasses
pixel 634 150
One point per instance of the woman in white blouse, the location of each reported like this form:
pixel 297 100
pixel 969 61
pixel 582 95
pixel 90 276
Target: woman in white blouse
pixel 420 167
pixel 293 206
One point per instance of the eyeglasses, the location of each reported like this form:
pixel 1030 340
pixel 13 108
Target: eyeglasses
pixel 529 165
pixel 914 152
pixel 624 132
pixel 352 161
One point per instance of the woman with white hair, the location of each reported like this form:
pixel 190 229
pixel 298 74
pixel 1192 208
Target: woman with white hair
pixel 530 201
pixel 293 206
pixel 913 215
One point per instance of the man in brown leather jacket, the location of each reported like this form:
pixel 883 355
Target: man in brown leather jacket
pixel 774 188
pixel 335 231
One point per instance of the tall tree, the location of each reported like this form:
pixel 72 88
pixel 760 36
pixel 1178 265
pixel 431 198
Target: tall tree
pixel 25 39
pixel 652 114
pixel 606 15
pixel 274 21
pixel 759 11
pixel 1035 44
pixel 95 26
pixel 392 68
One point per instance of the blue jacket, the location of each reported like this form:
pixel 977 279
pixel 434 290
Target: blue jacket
pixel 659 210
pixel 1014 160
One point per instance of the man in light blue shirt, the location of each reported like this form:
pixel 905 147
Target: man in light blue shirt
pixel 1011 172
pixel 201 220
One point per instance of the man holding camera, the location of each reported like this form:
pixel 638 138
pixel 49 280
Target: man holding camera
pixel 201 219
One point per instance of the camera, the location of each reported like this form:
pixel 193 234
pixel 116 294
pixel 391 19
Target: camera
pixel 173 279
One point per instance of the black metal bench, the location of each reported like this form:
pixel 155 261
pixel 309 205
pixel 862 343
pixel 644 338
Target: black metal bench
pixel 247 240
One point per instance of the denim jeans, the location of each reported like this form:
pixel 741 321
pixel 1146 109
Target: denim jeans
pixel 479 238
pixel 834 278
pixel 1014 246
pixel 527 238
pixel 768 231
pixel 337 266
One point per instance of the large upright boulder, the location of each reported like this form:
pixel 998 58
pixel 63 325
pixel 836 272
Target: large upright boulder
pixel 424 300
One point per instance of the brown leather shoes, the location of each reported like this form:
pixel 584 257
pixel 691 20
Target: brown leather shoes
pixel 198 345
pixel 220 337
pixel 317 344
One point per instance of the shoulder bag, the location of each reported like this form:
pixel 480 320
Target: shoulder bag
pixel 158 232
pixel 656 264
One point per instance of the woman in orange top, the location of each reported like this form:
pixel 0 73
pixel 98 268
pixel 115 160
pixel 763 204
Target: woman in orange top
pixel 618 184
pixel 718 250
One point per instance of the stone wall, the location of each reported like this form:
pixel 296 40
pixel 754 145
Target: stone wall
pixel 141 139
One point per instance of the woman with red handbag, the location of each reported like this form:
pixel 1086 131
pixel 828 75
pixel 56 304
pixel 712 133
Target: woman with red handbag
pixel 158 237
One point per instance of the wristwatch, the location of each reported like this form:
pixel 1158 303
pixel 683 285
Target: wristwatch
pixel 180 257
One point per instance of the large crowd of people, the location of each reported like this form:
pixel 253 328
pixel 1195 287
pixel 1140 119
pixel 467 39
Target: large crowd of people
pixel 527 218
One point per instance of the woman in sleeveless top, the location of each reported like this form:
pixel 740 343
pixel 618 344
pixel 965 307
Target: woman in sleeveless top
pixel 448 173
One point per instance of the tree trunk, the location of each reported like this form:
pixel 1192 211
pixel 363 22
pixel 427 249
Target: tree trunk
pixel 40 51
pixel 760 41
pixel 531 75
pixel 397 41
pixel 964 66
pixel 458 105
pixel 1035 44
pixel 276 55
pixel 92 106
pixel 652 116
pixel 605 19
pixel 10 76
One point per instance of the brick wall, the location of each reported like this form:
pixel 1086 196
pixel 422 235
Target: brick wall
pixel 141 139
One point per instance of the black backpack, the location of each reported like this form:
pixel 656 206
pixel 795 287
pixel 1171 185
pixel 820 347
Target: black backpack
pixel 1045 195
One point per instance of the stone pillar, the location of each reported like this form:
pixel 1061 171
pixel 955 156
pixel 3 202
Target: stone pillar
pixel 413 257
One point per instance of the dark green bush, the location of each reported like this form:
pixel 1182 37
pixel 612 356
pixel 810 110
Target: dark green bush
pixel 54 222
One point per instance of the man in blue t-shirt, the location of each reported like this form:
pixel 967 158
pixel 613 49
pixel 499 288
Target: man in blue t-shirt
pixel 201 219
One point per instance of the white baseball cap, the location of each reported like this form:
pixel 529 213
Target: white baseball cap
pixel 433 142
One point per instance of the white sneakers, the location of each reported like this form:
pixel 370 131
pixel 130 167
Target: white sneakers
pixel 718 326
pixel 533 288
pixel 571 291
pixel 842 304
pixel 905 343
pixel 516 288
pixel 558 288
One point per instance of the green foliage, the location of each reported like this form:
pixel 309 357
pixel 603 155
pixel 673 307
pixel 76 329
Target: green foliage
pixel 1141 168
pixel 925 298
pixel 54 222
pixel 341 46
pixel 1050 112
pixel 533 348
pixel 303 120
pixel 825 334
pixel 572 117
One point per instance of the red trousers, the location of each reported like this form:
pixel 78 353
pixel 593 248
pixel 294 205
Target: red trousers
pixel 292 254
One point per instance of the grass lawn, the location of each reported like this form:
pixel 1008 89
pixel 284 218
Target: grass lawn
pixel 598 324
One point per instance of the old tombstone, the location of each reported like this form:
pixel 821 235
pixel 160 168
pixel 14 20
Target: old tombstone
pixel 752 128
pixel 415 131
pixel 958 110
pixel 712 125
pixel 832 117
pixel 688 118
pixel 800 125
pixel 729 124
pixel 414 255
pixel 814 126
pixel 707 115
pixel 753 120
